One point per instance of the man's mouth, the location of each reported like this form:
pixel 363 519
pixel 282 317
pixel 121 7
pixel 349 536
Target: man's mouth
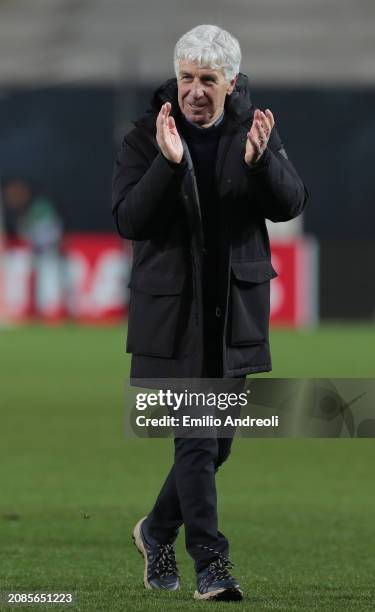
pixel 196 107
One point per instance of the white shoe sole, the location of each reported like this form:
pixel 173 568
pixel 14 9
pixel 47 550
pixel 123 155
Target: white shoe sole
pixel 137 539
pixel 220 595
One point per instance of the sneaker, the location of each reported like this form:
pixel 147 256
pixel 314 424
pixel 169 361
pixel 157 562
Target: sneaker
pixel 215 582
pixel 160 562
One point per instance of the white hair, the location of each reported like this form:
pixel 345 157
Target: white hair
pixel 209 46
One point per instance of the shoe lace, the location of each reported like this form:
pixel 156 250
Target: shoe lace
pixel 219 568
pixel 165 562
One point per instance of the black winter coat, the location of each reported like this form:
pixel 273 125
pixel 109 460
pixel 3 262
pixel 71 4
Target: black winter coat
pixel 156 205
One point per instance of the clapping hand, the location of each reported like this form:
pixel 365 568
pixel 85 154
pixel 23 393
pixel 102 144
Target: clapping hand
pixel 167 135
pixel 258 136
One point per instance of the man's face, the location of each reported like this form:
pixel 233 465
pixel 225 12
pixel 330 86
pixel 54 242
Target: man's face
pixel 202 93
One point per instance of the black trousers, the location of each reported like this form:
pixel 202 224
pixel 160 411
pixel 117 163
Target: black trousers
pixel 188 495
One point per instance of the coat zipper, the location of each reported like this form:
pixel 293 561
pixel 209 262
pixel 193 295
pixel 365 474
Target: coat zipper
pixel 195 191
pixel 198 302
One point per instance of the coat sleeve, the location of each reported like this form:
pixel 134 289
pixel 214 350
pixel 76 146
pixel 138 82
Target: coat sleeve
pixel 273 180
pixel 140 205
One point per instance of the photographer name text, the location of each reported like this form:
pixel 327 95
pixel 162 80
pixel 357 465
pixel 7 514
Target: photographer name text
pixel 205 421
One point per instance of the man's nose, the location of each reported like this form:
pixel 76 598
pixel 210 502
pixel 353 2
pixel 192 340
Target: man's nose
pixel 197 90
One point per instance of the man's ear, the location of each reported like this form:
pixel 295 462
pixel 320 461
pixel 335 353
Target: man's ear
pixel 232 84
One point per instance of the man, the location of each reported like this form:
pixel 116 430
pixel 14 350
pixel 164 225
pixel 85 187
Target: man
pixel 33 217
pixel 193 184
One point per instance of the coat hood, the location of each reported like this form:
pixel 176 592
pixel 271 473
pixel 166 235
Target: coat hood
pixel 238 104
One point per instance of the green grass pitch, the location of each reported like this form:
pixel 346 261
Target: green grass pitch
pixel 299 513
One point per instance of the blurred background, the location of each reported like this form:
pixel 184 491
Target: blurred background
pixel 75 73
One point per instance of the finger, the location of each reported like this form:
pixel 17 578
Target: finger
pixel 167 116
pixel 162 111
pixel 270 117
pixel 263 138
pixel 254 143
pixel 256 115
pixel 166 112
pixel 253 133
pixel 172 125
pixel 164 119
pixel 159 117
pixel 161 123
pixel 161 114
pixel 258 139
pixel 265 123
pixel 256 131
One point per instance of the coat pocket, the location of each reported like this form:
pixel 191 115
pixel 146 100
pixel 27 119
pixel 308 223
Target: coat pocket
pixel 154 307
pixel 250 302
